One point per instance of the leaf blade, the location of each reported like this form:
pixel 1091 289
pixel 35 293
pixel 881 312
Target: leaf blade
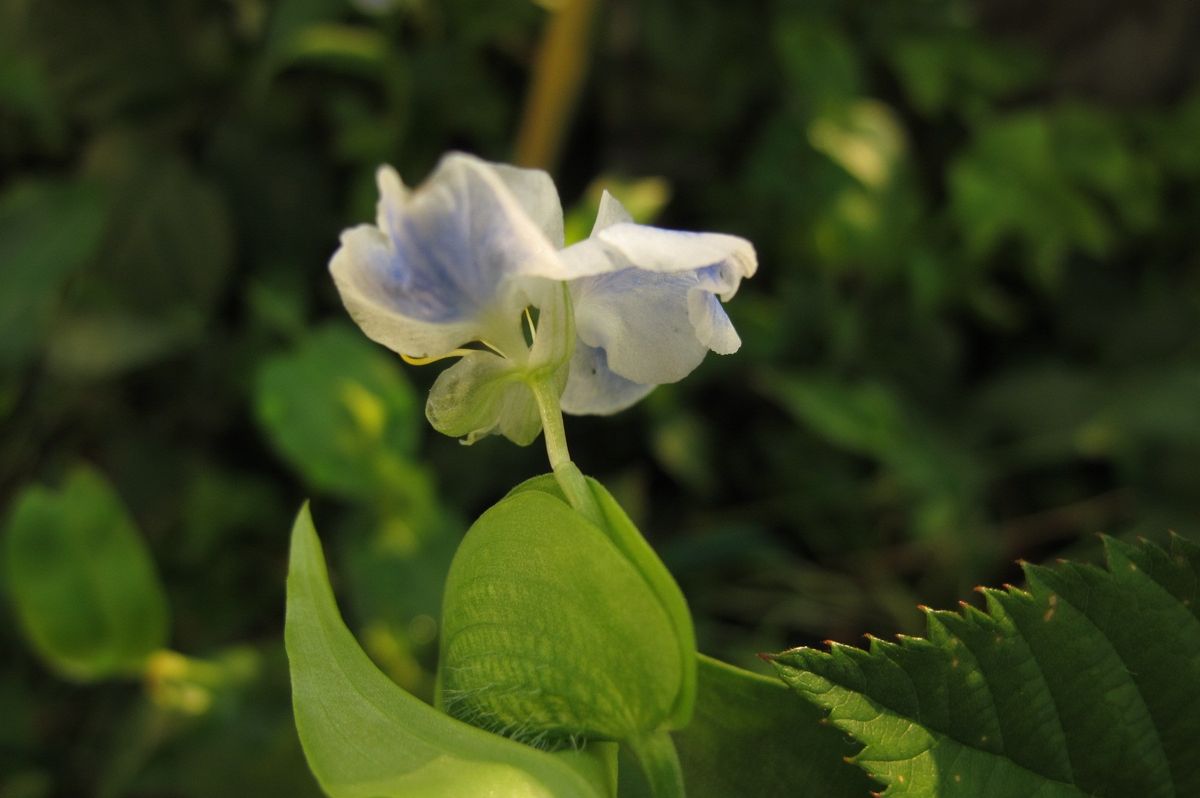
pixel 1088 683
pixel 364 737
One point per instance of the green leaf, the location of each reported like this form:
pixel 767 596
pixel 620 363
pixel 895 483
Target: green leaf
pixel 366 738
pixel 552 631
pixel 341 414
pixel 1086 684
pixel 752 736
pixel 47 231
pixel 83 585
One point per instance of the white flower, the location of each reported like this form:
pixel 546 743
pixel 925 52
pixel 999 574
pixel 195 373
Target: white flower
pixel 461 258
pixel 646 307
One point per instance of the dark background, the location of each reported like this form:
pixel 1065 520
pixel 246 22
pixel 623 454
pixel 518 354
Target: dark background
pixel 972 337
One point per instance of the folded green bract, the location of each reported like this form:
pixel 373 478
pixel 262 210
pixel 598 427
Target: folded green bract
pixel 557 630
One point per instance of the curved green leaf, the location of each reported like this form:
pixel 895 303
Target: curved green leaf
pixel 84 587
pixel 1086 684
pixel 550 633
pixel 631 543
pixel 364 737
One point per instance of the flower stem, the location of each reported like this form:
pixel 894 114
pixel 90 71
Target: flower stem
pixel 660 763
pixel 570 479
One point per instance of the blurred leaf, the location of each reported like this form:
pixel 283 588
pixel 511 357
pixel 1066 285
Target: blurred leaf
pixel 47 231
pixel 1173 135
pixel 1087 683
pixel 643 197
pixel 959 70
pixel 341 413
pixel 233 708
pixel 819 61
pixel 366 738
pixel 869 419
pixel 683 447
pixel 83 585
pixel 1046 179
pixel 355 50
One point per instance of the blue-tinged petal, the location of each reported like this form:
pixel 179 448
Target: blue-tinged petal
pixel 617 243
pixel 640 320
pixel 648 297
pixel 453 261
pixel 595 389
pixel 711 324
pixel 360 267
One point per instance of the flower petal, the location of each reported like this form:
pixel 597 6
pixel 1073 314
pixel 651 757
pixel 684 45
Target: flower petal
pixel 535 191
pixel 595 389
pixel 617 243
pixel 649 297
pixel 452 261
pixel 640 320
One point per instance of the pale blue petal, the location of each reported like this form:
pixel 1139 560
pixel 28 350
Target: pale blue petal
pixel 711 324
pixel 455 260
pixel 594 389
pixel 364 257
pixel 640 319
pixel 617 243
pixel 648 297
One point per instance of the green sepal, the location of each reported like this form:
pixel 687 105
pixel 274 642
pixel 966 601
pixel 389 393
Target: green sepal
pixel 365 737
pixel 480 395
pixel 485 394
pixel 633 545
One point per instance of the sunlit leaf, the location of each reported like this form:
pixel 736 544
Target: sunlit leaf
pixel 341 413
pixel 366 738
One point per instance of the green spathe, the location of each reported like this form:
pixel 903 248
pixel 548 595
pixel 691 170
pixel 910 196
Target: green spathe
pixel 557 630
pixel 365 737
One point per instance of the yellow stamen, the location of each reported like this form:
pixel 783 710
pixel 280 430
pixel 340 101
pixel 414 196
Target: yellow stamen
pixel 529 322
pixel 425 361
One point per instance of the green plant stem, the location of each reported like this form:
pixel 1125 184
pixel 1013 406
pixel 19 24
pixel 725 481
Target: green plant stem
pixel 570 478
pixel 660 762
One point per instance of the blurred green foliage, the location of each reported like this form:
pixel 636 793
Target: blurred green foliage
pixel 974 336
pixel 83 584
